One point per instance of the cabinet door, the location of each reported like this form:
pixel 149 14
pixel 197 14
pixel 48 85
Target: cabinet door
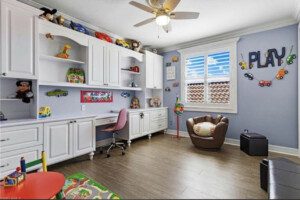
pixel 112 67
pixel 18 29
pixel 145 123
pixel 158 71
pixel 96 62
pixel 134 125
pixel 149 70
pixel 84 133
pixel 58 141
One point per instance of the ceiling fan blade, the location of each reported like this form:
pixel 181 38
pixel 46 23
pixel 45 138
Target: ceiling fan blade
pixel 184 15
pixel 170 5
pixel 167 28
pixel 147 21
pixel 156 4
pixel 141 6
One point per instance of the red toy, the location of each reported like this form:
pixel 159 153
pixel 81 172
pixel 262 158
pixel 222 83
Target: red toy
pixel 263 83
pixel 103 36
pixel 135 69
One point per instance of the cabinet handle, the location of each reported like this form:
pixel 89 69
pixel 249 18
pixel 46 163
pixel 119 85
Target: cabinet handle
pixel 3 74
pixel 6 165
pixel 71 122
pixel 74 121
pixel 4 140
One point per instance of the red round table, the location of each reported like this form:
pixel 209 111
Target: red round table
pixel 40 185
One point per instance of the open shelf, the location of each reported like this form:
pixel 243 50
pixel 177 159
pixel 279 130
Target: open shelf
pixel 56 59
pixel 131 72
pixel 78 85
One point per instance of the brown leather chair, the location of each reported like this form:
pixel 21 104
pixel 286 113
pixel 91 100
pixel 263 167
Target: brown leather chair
pixel 218 136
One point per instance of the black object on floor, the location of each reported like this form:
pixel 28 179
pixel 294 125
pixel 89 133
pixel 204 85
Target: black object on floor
pixel 264 174
pixel 254 144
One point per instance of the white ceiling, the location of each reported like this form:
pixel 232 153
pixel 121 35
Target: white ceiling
pixel 216 17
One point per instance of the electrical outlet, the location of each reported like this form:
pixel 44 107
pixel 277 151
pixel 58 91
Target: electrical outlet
pixel 83 107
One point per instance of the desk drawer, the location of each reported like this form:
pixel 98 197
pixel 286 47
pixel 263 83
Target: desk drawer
pixel 110 120
pixel 158 125
pixel 157 114
pixel 10 160
pixel 12 138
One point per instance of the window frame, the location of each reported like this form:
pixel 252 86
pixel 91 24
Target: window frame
pixel 205 50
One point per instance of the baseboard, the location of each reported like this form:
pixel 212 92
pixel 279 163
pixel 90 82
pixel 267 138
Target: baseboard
pixel 236 142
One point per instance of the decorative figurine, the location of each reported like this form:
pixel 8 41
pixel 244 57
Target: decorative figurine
pixel 249 76
pixel 24 91
pixel 64 54
pixel 75 75
pixel 135 103
pixel 281 73
pixel 103 36
pixel 263 83
pixel 45 111
pixel 48 14
pixel 79 28
pixel 60 20
pixel 57 93
pixel 155 102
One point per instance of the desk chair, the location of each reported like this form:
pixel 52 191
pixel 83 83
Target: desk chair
pixel 121 122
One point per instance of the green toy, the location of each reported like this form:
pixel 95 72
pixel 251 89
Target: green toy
pixel 57 93
pixel 75 75
pixel 291 57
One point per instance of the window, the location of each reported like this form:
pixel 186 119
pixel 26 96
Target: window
pixel 209 77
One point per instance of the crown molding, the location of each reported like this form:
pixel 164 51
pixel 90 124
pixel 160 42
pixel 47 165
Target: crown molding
pixel 68 17
pixel 230 35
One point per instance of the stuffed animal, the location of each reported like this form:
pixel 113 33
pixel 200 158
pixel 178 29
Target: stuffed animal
pixel 48 14
pixel 24 91
pixel 135 45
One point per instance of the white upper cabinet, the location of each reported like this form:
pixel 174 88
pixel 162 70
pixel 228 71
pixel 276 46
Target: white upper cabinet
pixel 112 70
pixel 18 30
pixel 96 62
pixel 154 71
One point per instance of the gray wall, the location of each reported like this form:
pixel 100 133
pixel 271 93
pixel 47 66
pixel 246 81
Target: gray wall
pixel 270 111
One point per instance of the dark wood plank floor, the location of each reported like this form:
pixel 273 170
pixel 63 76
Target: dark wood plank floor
pixel 168 168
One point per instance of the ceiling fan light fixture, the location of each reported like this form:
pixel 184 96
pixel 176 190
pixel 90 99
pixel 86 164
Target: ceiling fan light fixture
pixel 162 20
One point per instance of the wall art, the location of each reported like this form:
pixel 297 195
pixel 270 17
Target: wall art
pixel 96 96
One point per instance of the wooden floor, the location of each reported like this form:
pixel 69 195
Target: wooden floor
pixel 168 168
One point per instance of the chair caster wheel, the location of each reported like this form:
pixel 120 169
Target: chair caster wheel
pixel 124 147
pixel 101 152
pixel 107 155
pixel 123 153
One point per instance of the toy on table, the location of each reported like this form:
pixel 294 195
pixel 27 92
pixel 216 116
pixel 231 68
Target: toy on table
pixel 75 75
pixel 45 111
pixel 64 54
pixel 14 178
pixel 103 36
pixel 281 73
pixel 48 14
pixel 135 103
pixel 122 43
pixel 57 93
pixel 79 28
pixel 24 91
pixel 263 83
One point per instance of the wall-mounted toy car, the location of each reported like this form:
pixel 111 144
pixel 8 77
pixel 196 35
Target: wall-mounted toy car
pixel 263 83
pixel 122 43
pixel 249 76
pixel 57 93
pixel 44 112
pixel 290 59
pixel 281 73
pixel 243 65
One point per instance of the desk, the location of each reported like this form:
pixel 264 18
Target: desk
pixel 40 185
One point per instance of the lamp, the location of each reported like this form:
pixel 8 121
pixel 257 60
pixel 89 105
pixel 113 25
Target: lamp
pixel 162 20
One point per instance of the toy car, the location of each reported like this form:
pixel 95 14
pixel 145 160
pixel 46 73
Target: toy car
pixel 290 59
pixel 263 83
pixel 57 93
pixel 122 43
pixel 281 73
pixel 243 65
pixel 103 36
pixel 249 76
pixel 79 28
pixel 44 111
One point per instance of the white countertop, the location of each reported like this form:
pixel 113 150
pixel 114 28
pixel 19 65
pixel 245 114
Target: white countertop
pixel 18 122
pixel 143 109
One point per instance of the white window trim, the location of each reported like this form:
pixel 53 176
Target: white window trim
pixel 206 49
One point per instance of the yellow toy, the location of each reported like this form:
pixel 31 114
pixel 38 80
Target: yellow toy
pixel 44 111
pixel 243 65
pixel 64 54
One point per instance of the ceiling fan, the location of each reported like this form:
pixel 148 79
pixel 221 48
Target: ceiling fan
pixel 162 9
